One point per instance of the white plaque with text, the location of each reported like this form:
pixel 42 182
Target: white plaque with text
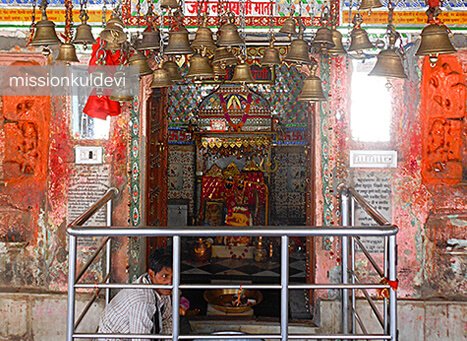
pixel 373 159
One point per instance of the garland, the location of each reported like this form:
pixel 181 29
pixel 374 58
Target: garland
pixel 236 126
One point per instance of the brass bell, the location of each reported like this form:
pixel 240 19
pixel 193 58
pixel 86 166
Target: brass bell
pixel 219 71
pixel 203 39
pixel 337 40
pixel 298 52
pixel 121 95
pixel 67 53
pixel 369 4
pixel 84 35
pixel 435 40
pixel 389 64
pixel 312 90
pixel 323 39
pixel 289 26
pixel 140 64
pixel 242 74
pixel 359 40
pixel 45 34
pixel 113 32
pixel 150 41
pixel 160 79
pixel 199 68
pixel 179 42
pixel 224 56
pixel 172 69
pixel 169 4
pixel 228 34
pixel 271 55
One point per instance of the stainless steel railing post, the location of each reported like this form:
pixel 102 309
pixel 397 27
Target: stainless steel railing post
pixel 392 292
pixel 284 287
pixel 70 325
pixel 108 252
pixel 176 287
pixel 345 211
pixel 352 267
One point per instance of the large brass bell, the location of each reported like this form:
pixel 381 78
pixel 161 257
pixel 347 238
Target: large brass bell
pixel 289 26
pixel 203 39
pixel 389 64
pixel 369 4
pixel 199 68
pixel 228 34
pixel 359 40
pixel 298 52
pixel 242 74
pixel 271 55
pixel 337 40
pixel 84 35
pixel 161 78
pixel 179 42
pixel 172 68
pixel 312 90
pixel 67 53
pixel 435 40
pixel 45 34
pixel 323 39
pixel 140 64
pixel 224 56
pixel 150 41
pixel 169 4
pixel 113 32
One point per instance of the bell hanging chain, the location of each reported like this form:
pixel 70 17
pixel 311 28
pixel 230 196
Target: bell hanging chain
pixel 271 19
pixel 243 29
pixel 68 20
pixel 33 22
pixel 104 13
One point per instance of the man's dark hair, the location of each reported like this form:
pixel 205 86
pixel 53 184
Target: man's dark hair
pixel 159 259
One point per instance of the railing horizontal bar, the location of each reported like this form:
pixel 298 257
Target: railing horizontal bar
pixel 237 286
pixel 122 286
pixel 372 212
pixel 189 231
pixel 91 260
pixel 229 286
pixel 250 336
pixel 110 194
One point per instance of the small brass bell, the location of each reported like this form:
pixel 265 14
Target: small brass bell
pixel 113 32
pixel 140 64
pixel 224 56
pixel 84 35
pixel 150 41
pixel 203 39
pixel 67 53
pixel 199 68
pixel 242 74
pixel 160 79
pixel 389 64
pixel 179 42
pixel 228 34
pixel 435 40
pixel 169 4
pixel 172 68
pixel 369 4
pixel 312 90
pixel 219 71
pixel 271 55
pixel 323 39
pixel 337 40
pixel 298 52
pixel 45 34
pixel 121 95
pixel 359 40
pixel 289 26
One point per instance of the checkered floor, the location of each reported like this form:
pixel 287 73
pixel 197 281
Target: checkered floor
pixel 217 267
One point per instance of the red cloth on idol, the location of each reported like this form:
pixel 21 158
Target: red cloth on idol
pixel 100 106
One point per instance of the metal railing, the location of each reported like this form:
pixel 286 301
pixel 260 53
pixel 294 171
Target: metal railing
pixel 284 232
